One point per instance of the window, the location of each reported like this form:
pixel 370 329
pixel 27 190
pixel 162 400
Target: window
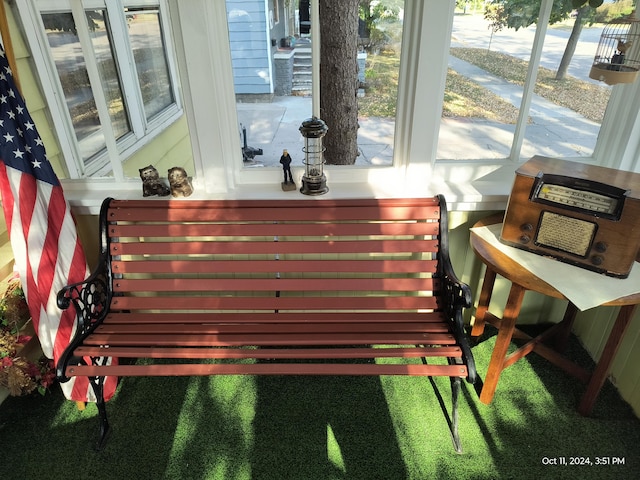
pixel 529 125
pixel 211 125
pixel 110 78
pixel 149 55
pixel 274 84
pixel 502 108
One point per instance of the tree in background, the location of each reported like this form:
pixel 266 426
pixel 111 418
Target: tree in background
pixel 339 40
pixel 339 79
pixel 380 22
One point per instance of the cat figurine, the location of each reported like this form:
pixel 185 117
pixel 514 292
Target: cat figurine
pixel 151 183
pixel 179 182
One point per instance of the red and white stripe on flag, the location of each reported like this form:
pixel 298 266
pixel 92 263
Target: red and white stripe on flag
pixel 48 254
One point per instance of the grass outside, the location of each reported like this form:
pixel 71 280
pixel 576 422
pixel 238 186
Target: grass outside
pixel 464 98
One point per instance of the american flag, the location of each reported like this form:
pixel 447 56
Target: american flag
pixel 48 254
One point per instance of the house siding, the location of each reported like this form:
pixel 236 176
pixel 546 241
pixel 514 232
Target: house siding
pixel 250 49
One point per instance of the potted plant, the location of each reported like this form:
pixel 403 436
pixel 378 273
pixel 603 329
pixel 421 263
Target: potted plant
pixel 20 374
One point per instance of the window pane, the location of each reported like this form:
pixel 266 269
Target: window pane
pixel 485 85
pixel 273 83
pixel 568 111
pixel 72 71
pixel 380 41
pixel 477 120
pixel 105 59
pixel 147 42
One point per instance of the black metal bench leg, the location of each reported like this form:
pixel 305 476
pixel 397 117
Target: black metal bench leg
pixel 452 420
pixel 456 383
pixel 97 384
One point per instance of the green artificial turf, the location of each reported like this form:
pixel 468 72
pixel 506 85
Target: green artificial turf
pixel 245 427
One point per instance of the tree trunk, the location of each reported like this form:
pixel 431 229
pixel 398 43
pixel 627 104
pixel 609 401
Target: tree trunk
pixel 570 49
pixel 339 79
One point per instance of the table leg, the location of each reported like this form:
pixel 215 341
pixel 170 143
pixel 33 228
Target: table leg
pixel 483 302
pixel 602 369
pixel 507 327
pixel 561 339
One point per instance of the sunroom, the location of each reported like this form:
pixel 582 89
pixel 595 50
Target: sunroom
pixel 161 78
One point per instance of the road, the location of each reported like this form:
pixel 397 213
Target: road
pixel 473 31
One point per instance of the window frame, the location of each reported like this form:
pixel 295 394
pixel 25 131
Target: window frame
pixel 478 184
pixel 426 42
pixel 109 162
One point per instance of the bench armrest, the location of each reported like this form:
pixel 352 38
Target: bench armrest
pixel 90 298
pixel 455 293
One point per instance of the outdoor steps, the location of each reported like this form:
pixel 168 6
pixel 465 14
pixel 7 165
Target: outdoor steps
pixel 302 81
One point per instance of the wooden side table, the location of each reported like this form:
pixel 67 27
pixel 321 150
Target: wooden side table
pixel 551 343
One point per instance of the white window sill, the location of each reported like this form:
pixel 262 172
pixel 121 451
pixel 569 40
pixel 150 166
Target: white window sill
pixel 481 195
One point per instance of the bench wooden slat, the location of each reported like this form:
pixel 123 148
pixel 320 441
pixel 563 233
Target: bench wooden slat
pixel 260 328
pixel 273 303
pixel 165 370
pixel 197 340
pixel 273 284
pixel 273 248
pixel 272 266
pixel 158 213
pixel 176 230
pixel 160 318
pixel 428 204
pixel 269 353
pixel 244 211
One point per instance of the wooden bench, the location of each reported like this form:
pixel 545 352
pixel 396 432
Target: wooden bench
pixel 316 287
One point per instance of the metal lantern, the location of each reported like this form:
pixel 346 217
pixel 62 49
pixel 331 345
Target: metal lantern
pixel 314 181
pixel 617 58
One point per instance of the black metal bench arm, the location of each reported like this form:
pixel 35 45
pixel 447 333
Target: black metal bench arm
pixel 90 298
pixel 456 294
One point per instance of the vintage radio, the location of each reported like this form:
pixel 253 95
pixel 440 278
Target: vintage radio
pixel 581 214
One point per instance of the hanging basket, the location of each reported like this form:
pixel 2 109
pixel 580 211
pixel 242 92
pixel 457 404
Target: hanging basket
pixel 617 58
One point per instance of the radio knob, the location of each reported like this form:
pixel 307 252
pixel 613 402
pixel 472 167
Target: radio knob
pixel 601 247
pixel 525 238
pixel 526 227
pixel 597 259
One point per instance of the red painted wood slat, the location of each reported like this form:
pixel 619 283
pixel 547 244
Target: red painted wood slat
pixel 272 266
pixel 273 284
pixel 270 353
pixel 270 328
pixel 324 210
pixel 273 303
pixel 269 247
pixel 159 318
pixel 197 340
pixel 270 229
pixel 166 370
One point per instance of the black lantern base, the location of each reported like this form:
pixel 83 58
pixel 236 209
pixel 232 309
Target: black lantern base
pixel 314 186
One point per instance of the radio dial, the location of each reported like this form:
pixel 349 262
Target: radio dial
pixel 525 238
pixel 597 259
pixel 601 247
pixel 526 227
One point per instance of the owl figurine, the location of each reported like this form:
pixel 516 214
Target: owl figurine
pixel 151 183
pixel 179 182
